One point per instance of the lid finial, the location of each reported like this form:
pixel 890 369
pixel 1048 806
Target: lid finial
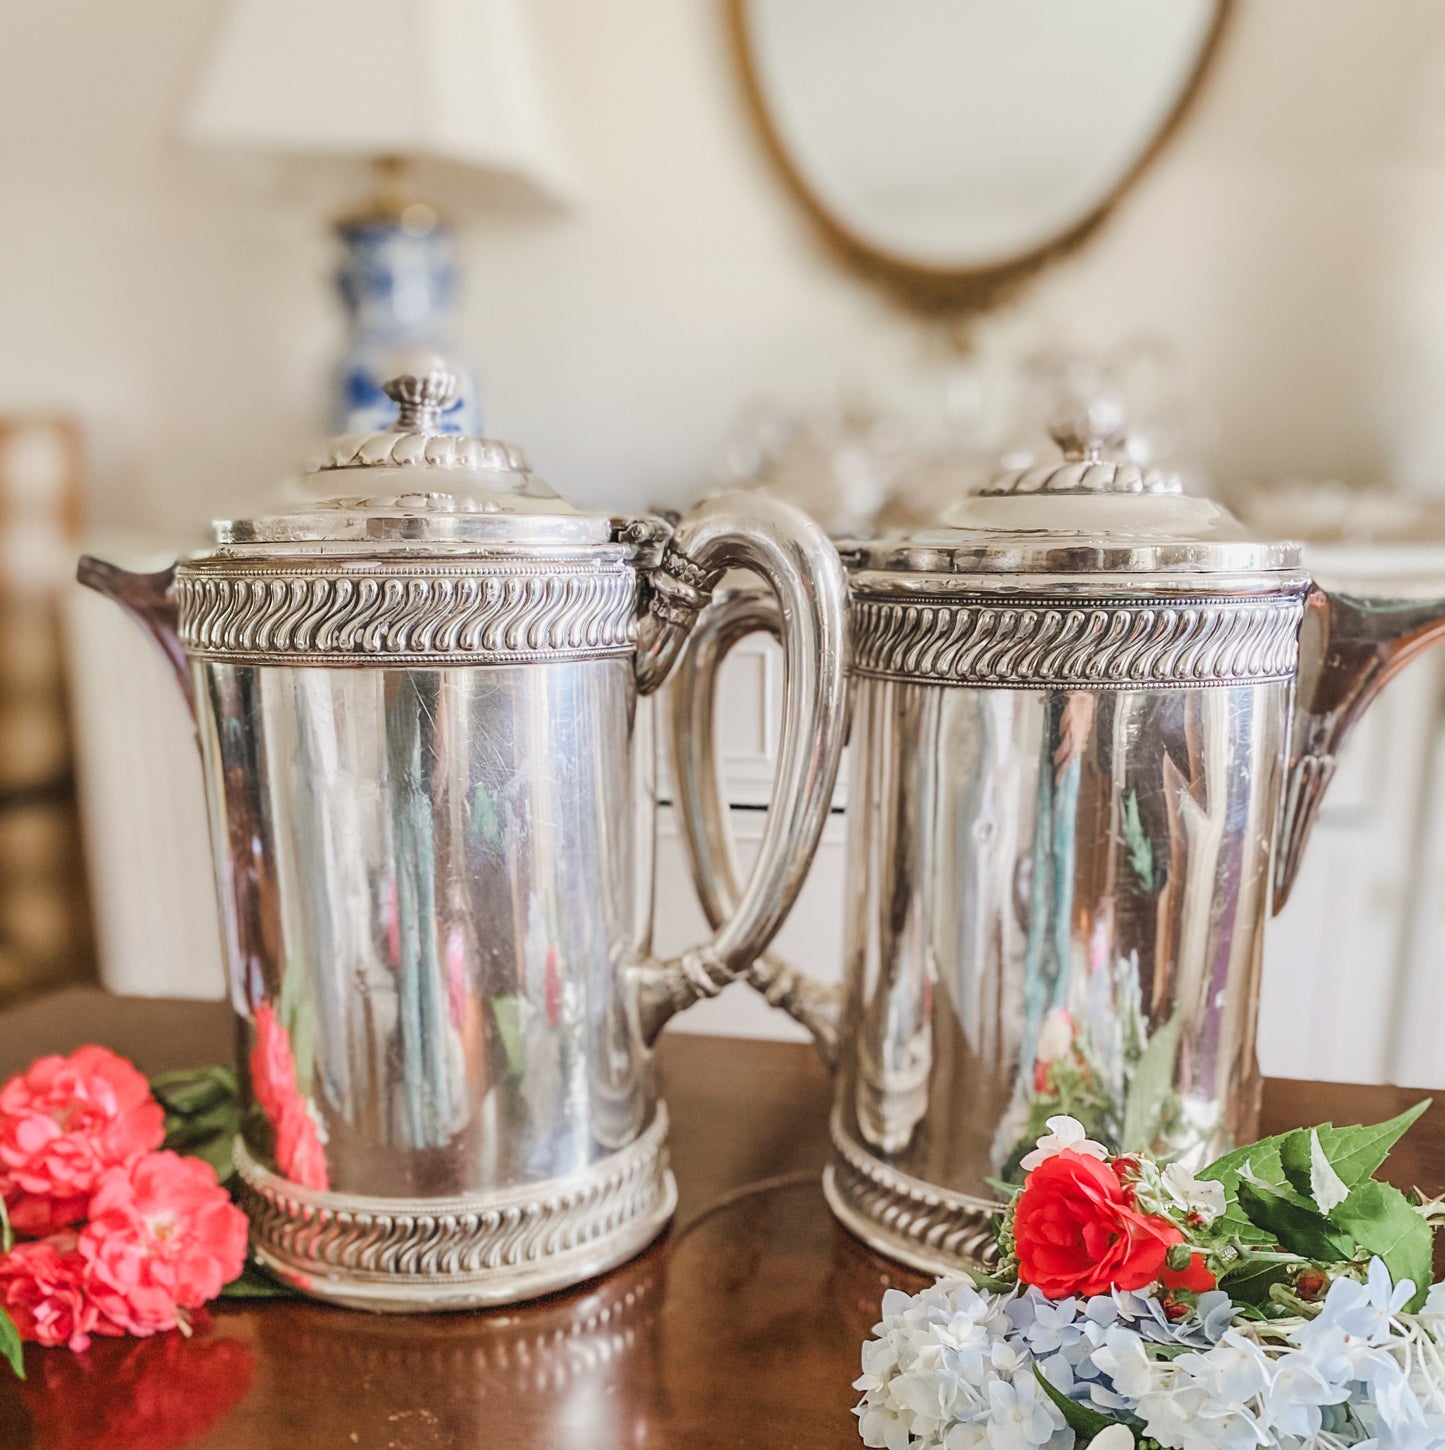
pixel 1090 431
pixel 421 399
pixel 1087 427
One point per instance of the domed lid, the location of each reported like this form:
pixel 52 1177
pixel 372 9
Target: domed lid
pixel 1086 516
pixel 414 485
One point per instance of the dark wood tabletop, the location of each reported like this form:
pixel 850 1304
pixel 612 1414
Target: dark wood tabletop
pixel 740 1327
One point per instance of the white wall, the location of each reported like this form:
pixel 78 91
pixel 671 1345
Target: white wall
pixel 1288 243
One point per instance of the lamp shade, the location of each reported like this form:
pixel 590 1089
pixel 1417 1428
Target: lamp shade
pixel 449 80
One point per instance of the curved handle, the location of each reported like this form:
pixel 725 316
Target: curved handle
pixel 794 556
pixel 703 814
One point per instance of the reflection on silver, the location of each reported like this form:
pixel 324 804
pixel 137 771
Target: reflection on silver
pixel 1076 794
pixel 428 755
pixel 519 1242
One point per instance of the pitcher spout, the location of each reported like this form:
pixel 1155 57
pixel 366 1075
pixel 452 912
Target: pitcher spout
pixel 1350 648
pixel 150 600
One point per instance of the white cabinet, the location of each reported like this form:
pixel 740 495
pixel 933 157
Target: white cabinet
pixel 1354 966
pixel 148 850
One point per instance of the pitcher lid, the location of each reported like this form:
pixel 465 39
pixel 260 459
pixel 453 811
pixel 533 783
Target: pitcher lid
pixel 414 484
pixel 1090 514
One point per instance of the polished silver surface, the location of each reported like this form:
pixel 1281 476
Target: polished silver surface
pixel 1352 648
pixel 1098 643
pixel 367 1252
pixel 498 609
pixel 1074 801
pixel 429 769
pixel 1059 529
pixel 1083 435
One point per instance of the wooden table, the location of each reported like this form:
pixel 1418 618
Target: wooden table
pixel 741 1327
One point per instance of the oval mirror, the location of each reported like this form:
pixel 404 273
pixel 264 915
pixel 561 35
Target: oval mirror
pixel 954 145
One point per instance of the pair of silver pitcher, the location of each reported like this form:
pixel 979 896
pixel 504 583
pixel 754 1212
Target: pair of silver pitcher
pixel 1091 722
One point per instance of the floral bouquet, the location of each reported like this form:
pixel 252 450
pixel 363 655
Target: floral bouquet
pixel 113 1215
pixel 1279 1298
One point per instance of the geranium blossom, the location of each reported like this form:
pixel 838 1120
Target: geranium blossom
pixel 299 1152
pixel 272 1063
pixel 163 1237
pixel 63 1123
pixel 43 1288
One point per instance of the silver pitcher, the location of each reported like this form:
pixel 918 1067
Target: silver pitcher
pixel 1092 721
pixel 429 773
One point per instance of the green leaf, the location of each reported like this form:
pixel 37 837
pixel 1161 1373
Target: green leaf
pixel 1260 1162
pixel 256 1284
pixel 990 1283
pixel 507 1011
pixel 1004 1189
pixel 10 1345
pixel 1382 1221
pixel 1355 1153
pixel 1141 851
pixel 1233 1225
pixel 1295 1222
pixel 195 1090
pixel 203 1114
pixel 7 1234
pixel 1083 1420
pixel 1248 1281
pixel 1260 1159
pixel 1150 1082
pixel 217 1149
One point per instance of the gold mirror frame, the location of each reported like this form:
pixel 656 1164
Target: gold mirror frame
pixel 935 290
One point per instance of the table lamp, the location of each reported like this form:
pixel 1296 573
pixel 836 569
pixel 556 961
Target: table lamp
pixel 392 82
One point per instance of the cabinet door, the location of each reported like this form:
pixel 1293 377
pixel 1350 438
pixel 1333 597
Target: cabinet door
pixel 1333 990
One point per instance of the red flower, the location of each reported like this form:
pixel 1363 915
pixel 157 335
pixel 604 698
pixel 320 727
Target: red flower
pixel 273 1065
pixel 1196 1277
pixel 299 1154
pixel 1076 1231
pixel 163 1236
pixel 43 1287
pixel 62 1125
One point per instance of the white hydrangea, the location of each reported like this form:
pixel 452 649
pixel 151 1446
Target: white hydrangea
pixel 946 1372
pixel 953 1368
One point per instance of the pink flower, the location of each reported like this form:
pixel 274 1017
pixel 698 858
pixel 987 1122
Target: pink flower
pixel 62 1125
pixel 43 1287
pixel 299 1154
pixel 273 1065
pixel 163 1236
